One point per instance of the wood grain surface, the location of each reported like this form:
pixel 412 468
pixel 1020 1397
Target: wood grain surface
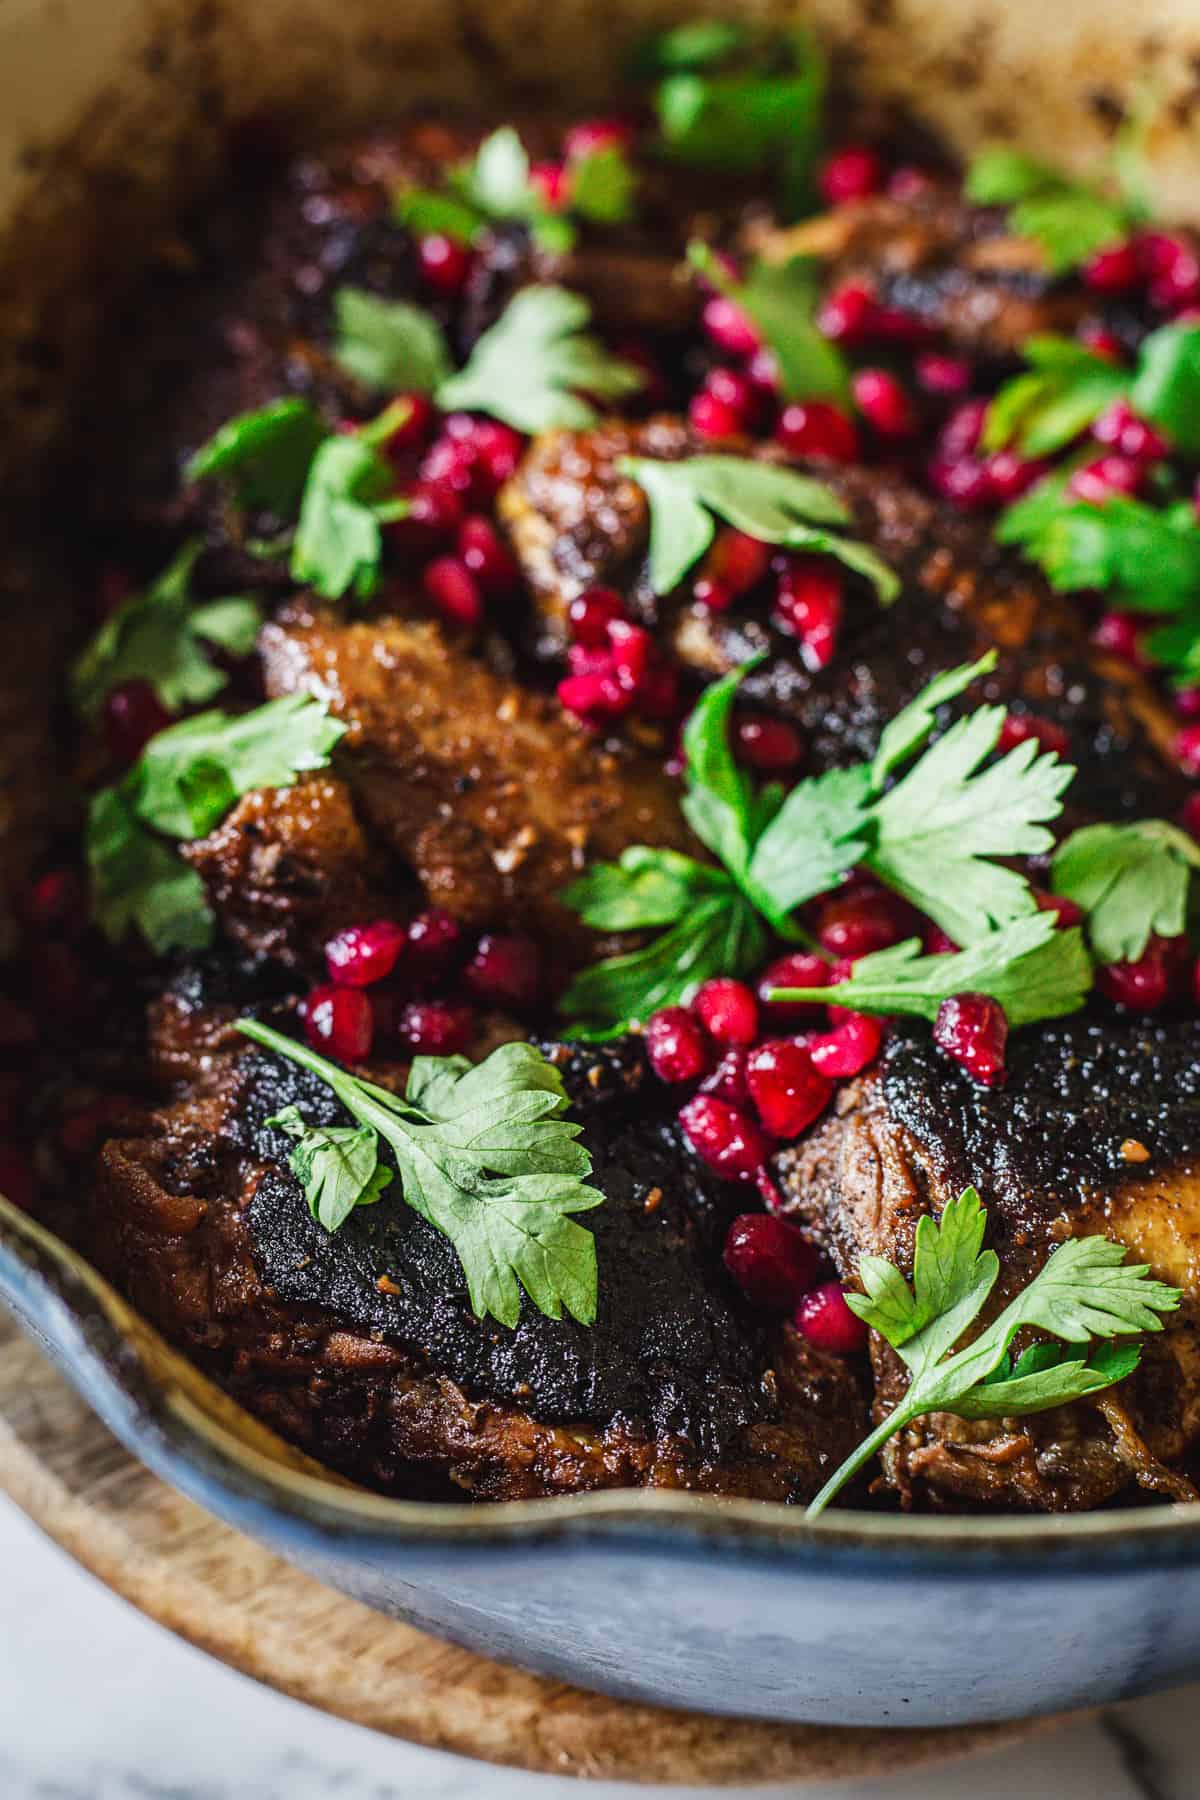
pixel 227 1595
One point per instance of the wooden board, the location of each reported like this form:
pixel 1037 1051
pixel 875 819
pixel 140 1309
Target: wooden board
pixel 225 1594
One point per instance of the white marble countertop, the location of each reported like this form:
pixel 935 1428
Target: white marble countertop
pixel 98 1704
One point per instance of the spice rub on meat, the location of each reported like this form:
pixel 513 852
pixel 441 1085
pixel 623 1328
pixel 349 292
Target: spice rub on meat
pixel 362 1346
pixel 1096 1131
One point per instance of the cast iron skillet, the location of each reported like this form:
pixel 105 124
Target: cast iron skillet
pixel 677 1599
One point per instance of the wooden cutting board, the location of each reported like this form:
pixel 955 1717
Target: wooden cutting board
pixel 224 1593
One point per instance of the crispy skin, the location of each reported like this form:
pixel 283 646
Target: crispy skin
pixel 575 521
pixel 361 1346
pixel 1053 1156
pixel 483 788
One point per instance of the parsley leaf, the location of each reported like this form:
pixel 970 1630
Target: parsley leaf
pixel 349 494
pixel 1166 387
pixel 337 1166
pixel 389 343
pixel 601 186
pixel 910 730
pixel 161 636
pixel 1065 391
pixel 1148 558
pixel 768 501
pixel 265 454
pixel 821 830
pixel 181 786
pixel 1069 220
pixel 1084 1289
pixel 781 299
pixel 484 1154
pixel 1131 880
pixel 531 367
pixel 1034 970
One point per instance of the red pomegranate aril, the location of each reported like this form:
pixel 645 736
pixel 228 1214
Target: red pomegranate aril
pixel 850 1047
pixel 769 1260
pixel 1066 911
pixel 1115 270
pixel 1189 815
pixel 883 403
pixel 787 1089
pixel 591 613
pixel 590 136
pixel 973 1031
pixel 847 314
pixel 937 942
pixel 411 431
pixel 1098 481
pixel 962 431
pixel 728 327
pixel 449 462
pixel 659 696
pixel 362 954
pixel 809 604
pixel 728 1010
pixel 454 591
pixel 1018 728
pixel 941 374
pixel 445 264
pixel 1187 748
pixel 675 1045
pixel 715 596
pixel 908 182
pixel 815 428
pixel 736 391
pixel 435 1028
pixel 725 1138
pixel 17 1181
pixel 497 449
pixel 1142 986
pixel 859 924
pixel 737 560
pixel 1119 428
pixel 854 173
pixel 594 698
pixel 552 181
pixel 762 371
pixel 339 1021
pixel 1120 635
pixel 965 483
pixel 771 746
pixel 828 1323
pixel 133 715
pixel 435 511
pixel 632 649
pixel 506 970
pixel 1173 267
pixel 486 557
pixel 714 419
pixel 800 969
pixel 728 1079
pixel 1009 475
pixel 1186 703
pixel 56 901
pixel 1100 341
pixel 434 941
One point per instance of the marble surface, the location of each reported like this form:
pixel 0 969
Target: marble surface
pixel 98 1704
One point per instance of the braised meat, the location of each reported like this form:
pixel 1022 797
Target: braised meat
pixel 1096 1131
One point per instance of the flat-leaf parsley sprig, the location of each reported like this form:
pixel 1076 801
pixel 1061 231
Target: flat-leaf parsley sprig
pixel 1084 1290
pixel 484 1152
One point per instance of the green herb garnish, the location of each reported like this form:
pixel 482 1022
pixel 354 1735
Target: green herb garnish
pixel 1068 387
pixel 181 786
pixel 164 636
pixel 1068 220
pixel 484 1153
pixel 1084 1290
pixel 389 344
pixel 1131 880
pixel 265 455
pixel 778 505
pixel 781 299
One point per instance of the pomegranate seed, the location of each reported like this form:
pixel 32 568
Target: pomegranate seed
pixel 497 449
pixel 727 1010
pixel 1097 481
pixel 592 135
pixel 1173 268
pixel 1119 428
pixel 713 419
pixel 909 183
pixel 56 902
pixel 737 560
pixel 590 615
pixel 339 1021
pixel 788 1091
pixel 1115 270
pixel 972 1029
pixel 1018 728
pixel 1187 748
pixel 1066 911
pixel 801 969
pixel 728 327
pixel 676 1045
pixel 1120 634
pixel 736 391
pixel 966 483
pixel 454 591
pixel 728 1079
pixel 435 1028
pixel 413 429
pixel 809 604
pixel 435 511
pixel 17 1182
pixel 132 716
pixel 937 942
pixel 962 431
pixel 1100 341
pixel 714 596
pixel 594 698
pixel 827 1322
pixel 1142 986
pixel 1187 703
pixel 486 557
pixel 771 746
pixel 632 649
pixel 364 953
pixel 724 1138
pixel 941 374
pixel 851 174
pixel 1189 816
pixel 814 428
pixel 883 403
pixel 659 694
pixel 769 1193
pixel 434 942
pixel 444 264
pixel 552 183
pixel 763 372
pixel 449 462
pixel 1009 475
pixel 850 1047
pixel 847 315
pixel 506 970
pixel 769 1260
pixel 857 925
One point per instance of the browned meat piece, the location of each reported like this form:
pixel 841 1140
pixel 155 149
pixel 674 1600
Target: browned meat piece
pixel 290 866
pixel 952 266
pixel 575 521
pixel 483 788
pixel 361 1346
pixel 1054 1154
